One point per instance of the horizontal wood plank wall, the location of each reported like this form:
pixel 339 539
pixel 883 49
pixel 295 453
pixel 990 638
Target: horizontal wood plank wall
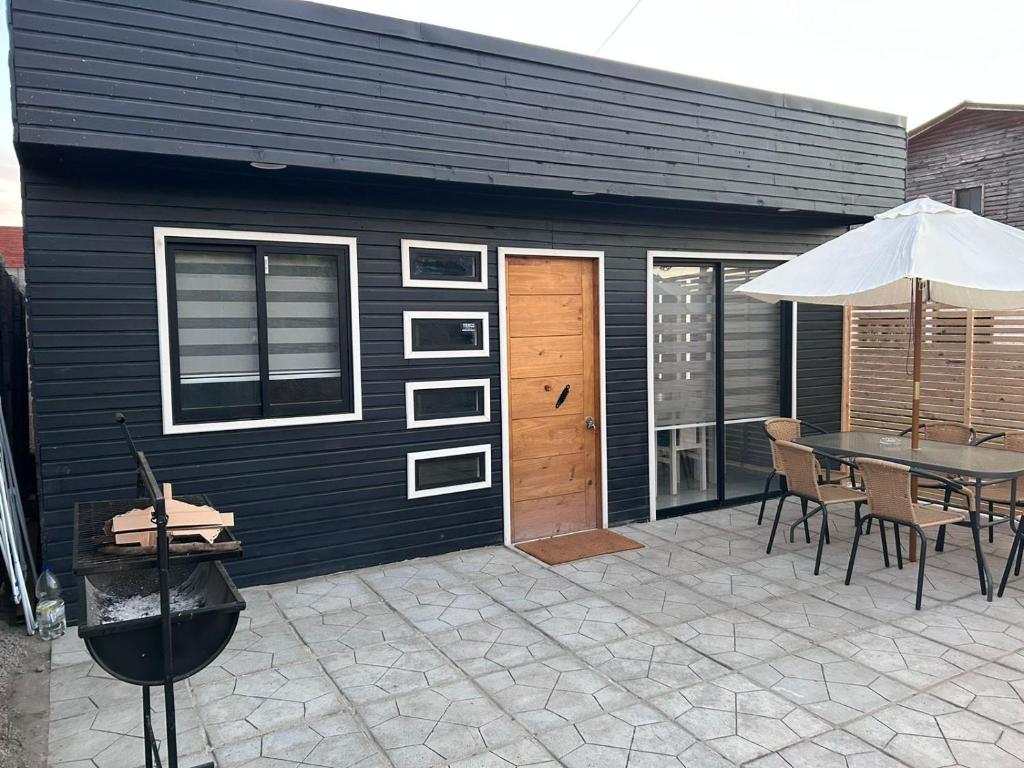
pixel 973 368
pixel 313 85
pixel 975 147
pixel 320 498
pixel 819 365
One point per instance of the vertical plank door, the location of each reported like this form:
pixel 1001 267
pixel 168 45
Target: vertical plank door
pixel 554 394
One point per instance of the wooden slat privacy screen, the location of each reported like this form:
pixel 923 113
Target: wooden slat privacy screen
pixel 972 368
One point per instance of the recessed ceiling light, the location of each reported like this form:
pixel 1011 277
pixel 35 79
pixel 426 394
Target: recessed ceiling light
pixel 268 166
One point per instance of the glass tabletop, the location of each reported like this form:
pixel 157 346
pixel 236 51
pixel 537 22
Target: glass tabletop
pixel 966 460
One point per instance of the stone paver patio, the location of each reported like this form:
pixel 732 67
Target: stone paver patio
pixel 697 651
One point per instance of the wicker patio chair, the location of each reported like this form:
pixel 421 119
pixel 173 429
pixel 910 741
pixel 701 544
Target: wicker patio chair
pixel 887 485
pixel 999 493
pixel 790 429
pixel 802 473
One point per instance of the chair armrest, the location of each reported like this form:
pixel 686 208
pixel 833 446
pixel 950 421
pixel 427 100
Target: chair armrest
pixel 813 427
pixel 906 431
pixel 985 439
pixel 948 482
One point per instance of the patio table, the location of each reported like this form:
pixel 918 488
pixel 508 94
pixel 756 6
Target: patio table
pixel 979 466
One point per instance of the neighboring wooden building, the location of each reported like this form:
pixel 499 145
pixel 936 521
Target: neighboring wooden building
pixel 971 156
pixel 488 298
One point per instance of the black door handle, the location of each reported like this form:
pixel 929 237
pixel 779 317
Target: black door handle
pixel 562 397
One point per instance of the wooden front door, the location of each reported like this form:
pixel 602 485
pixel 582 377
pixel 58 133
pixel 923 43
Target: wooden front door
pixel 554 395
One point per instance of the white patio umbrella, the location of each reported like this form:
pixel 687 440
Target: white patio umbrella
pixel 918 250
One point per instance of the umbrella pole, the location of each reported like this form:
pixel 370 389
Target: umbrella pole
pixel 915 411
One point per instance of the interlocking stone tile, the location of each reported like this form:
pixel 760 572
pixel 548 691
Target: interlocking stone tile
pixel 531 588
pixel 260 609
pixel 439 725
pixel 554 692
pixel 326 594
pixel 643 534
pixel 651 664
pixel 733 586
pixel 831 686
pixel 527 753
pixel 965 630
pixel 242 708
pixel 253 650
pixel 939 584
pixel 993 691
pixel 903 655
pixel 354 628
pixel 334 742
pixel 873 599
pixel 793 571
pixel 1009 608
pixel 638 735
pixel 926 732
pixel 486 562
pixel 835 749
pixel 498 643
pixel 670 560
pixel 585 622
pixel 408 579
pixel 605 573
pixel 680 530
pixel 664 602
pixel 738 718
pixel 378 671
pixel 736 520
pixel 737 639
pixel 804 614
pixel 730 550
pixel 442 609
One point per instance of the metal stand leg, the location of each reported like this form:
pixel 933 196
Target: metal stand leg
pixel 152 749
pixel 920 565
pixel 853 550
pixel 775 523
pixel 764 496
pixel 821 538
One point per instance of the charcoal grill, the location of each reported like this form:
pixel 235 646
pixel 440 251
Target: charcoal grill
pixel 150 647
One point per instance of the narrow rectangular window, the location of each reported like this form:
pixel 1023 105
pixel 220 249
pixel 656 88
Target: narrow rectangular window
pixel 430 264
pixel 970 198
pixel 446 334
pixel 257 332
pixel 450 470
pixel 445 403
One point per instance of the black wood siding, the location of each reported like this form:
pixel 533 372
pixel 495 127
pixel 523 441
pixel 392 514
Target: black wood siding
pixel 313 85
pixel 972 148
pixel 819 365
pixel 326 497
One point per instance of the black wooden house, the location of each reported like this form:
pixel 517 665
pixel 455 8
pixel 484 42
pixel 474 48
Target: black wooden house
pixel 384 289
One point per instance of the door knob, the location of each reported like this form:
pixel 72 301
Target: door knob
pixel 589 421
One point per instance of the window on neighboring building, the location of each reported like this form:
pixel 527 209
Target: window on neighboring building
pixel 969 198
pixel 260 331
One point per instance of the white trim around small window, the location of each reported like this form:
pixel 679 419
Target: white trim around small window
pixel 408 281
pixel 160 237
pixel 412 458
pixel 412 387
pixel 410 315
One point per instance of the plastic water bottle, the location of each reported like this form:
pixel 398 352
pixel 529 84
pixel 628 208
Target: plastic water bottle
pixel 50 616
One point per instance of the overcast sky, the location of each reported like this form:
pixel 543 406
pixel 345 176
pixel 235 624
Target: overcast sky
pixel 912 57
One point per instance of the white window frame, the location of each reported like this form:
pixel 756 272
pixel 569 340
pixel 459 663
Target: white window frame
pixel 408 281
pixel 417 314
pixel 652 256
pixel 412 458
pixel 411 387
pixel 160 235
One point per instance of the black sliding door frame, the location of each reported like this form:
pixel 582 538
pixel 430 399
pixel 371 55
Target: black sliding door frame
pixel 787 369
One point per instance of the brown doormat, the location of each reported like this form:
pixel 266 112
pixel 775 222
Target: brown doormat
pixel 578 546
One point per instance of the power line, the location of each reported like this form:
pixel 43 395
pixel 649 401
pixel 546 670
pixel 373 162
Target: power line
pixel 618 26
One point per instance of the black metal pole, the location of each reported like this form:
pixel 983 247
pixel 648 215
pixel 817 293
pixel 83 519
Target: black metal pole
pixel 162 556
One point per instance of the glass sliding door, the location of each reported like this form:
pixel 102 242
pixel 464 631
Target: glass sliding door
pixel 752 379
pixel 685 363
pixel 721 367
